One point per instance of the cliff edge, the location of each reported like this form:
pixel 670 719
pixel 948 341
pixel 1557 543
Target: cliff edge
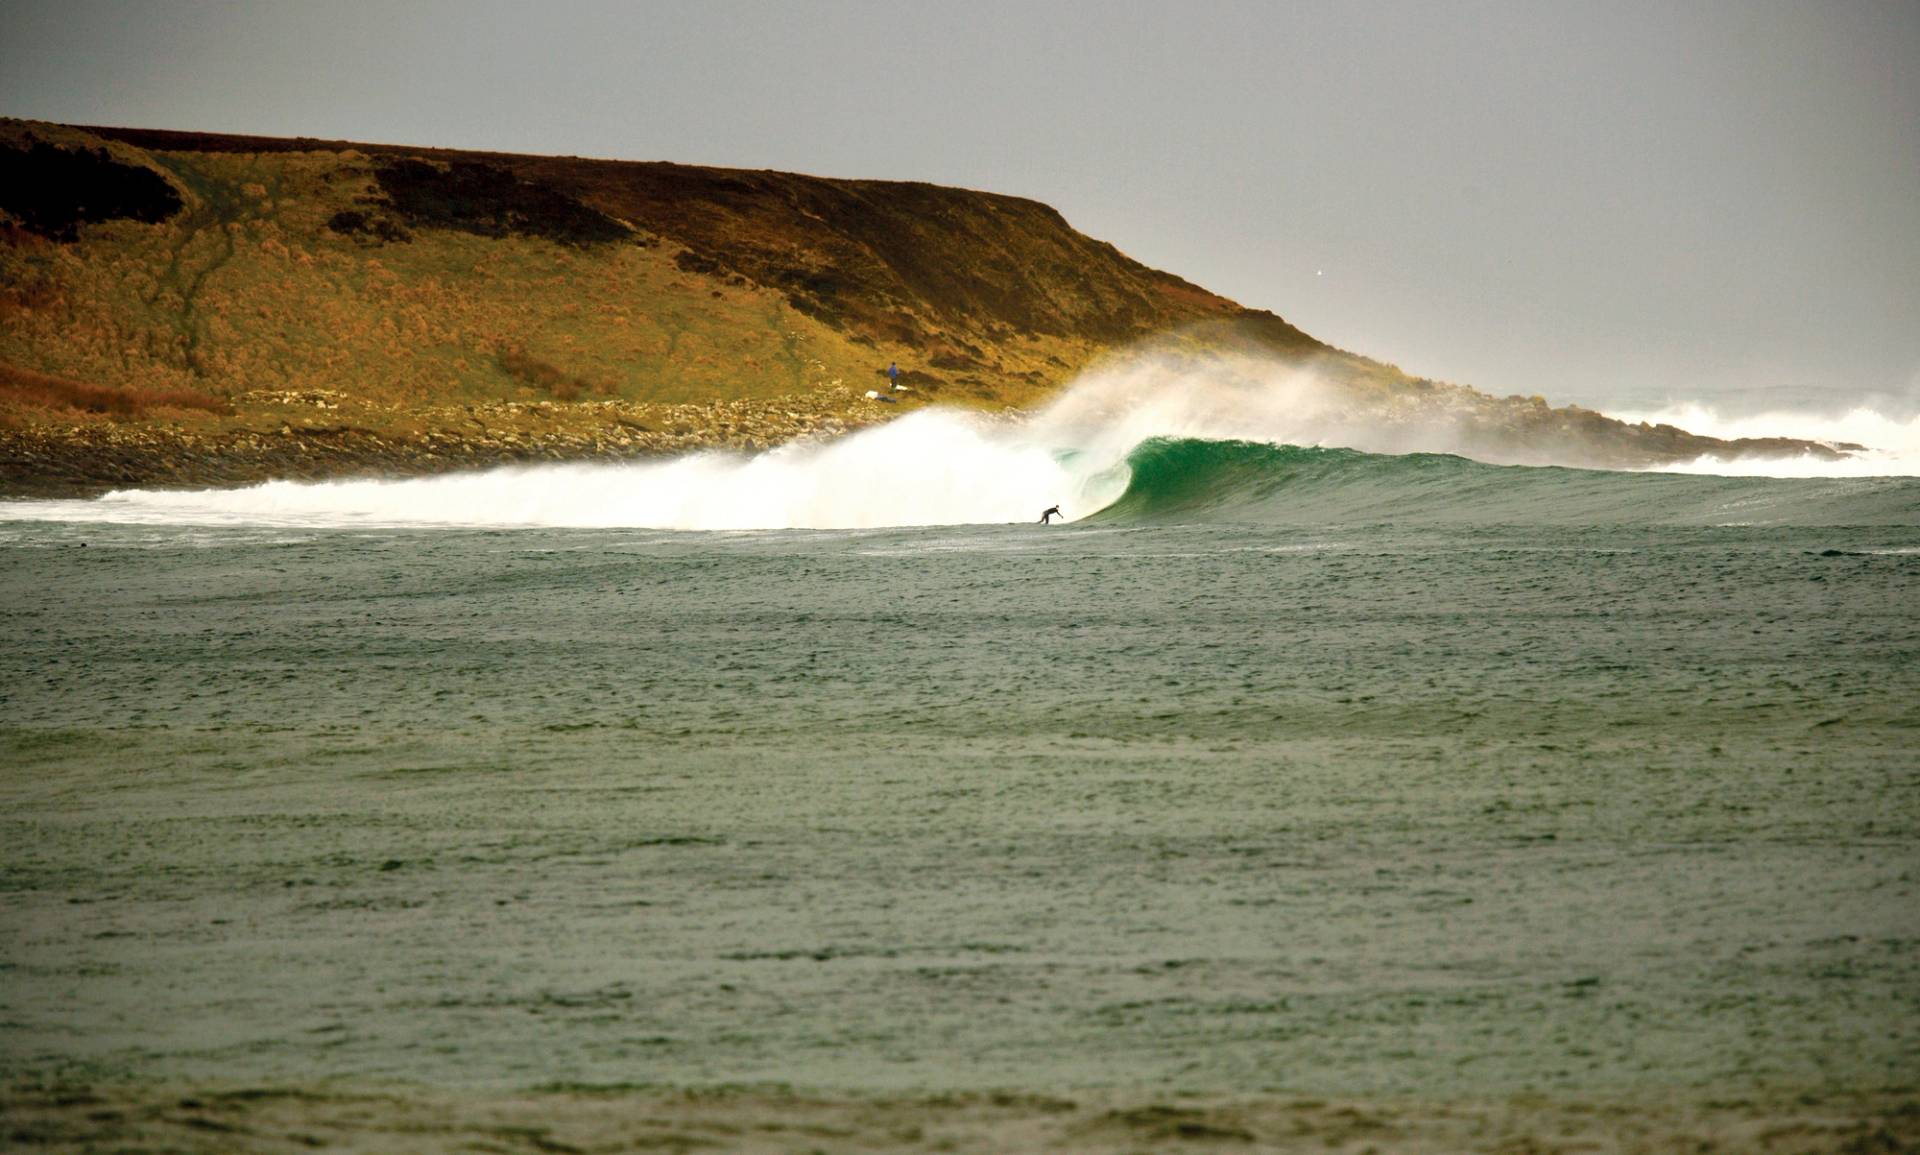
pixel 194 309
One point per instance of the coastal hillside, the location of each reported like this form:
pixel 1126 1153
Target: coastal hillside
pixel 191 309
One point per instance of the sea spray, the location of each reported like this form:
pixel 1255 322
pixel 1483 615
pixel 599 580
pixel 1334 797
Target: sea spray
pixel 948 467
pixel 1890 445
pixel 935 467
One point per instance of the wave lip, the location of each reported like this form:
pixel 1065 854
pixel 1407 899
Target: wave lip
pixel 1194 480
pixel 936 468
pixel 1149 439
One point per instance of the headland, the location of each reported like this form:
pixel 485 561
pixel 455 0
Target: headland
pixel 189 309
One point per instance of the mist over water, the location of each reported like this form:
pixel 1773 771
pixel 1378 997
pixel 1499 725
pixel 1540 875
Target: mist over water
pixel 929 468
pixel 949 467
pixel 1892 443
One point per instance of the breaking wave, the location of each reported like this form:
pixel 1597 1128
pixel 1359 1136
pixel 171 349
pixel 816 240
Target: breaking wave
pixel 1891 445
pixel 1186 480
pixel 1149 439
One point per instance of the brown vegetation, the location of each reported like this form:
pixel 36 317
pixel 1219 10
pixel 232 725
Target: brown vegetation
pixel 522 366
pixel 898 261
pixel 490 201
pixel 24 387
pixel 418 287
pixel 354 223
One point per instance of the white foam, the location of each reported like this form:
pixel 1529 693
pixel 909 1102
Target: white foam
pixel 1892 445
pixel 936 466
pixel 929 468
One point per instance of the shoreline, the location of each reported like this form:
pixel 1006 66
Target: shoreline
pixel 320 435
pixel 317 435
pixel 137 1116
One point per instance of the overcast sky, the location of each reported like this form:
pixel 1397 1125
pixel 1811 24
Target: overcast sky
pixel 1611 202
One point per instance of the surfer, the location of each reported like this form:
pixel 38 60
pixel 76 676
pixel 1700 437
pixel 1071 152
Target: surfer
pixel 1047 515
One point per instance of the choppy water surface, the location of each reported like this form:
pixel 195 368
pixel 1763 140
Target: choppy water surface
pixel 1358 809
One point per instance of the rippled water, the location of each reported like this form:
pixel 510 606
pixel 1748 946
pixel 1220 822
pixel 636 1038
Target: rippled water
pixel 1350 809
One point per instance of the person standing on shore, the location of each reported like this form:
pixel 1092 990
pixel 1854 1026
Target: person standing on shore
pixel 893 376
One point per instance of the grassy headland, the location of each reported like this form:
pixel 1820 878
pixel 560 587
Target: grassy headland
pixel 190 309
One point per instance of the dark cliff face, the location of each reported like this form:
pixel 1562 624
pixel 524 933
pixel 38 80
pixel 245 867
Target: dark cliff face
pixel 895 256
pixel 941 269
pixel 53 191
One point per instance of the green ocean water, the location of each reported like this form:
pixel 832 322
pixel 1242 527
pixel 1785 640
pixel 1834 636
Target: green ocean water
pixel 1403 784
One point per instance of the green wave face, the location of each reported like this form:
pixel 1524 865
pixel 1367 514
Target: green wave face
pixel 1190 480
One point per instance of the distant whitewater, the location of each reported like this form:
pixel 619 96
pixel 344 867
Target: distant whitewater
pixel 1147 440
pixel 1892 446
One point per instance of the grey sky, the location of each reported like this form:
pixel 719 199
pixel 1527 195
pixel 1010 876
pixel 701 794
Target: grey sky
pixel 1605 202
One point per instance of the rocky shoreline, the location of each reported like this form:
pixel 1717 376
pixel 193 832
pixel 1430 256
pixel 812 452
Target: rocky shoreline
pixel 323 435
pixel 319 435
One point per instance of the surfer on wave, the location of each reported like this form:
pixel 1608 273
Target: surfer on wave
pixel 1047 515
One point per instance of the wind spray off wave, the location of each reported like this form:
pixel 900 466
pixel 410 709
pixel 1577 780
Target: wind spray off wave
pixel 1890 446
pixel 1119 437
pixel 929 468
pixel 933 467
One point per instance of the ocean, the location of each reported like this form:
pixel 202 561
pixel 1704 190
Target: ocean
pixel 1281 769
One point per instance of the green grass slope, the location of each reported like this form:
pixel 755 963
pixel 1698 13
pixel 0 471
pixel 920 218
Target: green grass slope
pixel 415 276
